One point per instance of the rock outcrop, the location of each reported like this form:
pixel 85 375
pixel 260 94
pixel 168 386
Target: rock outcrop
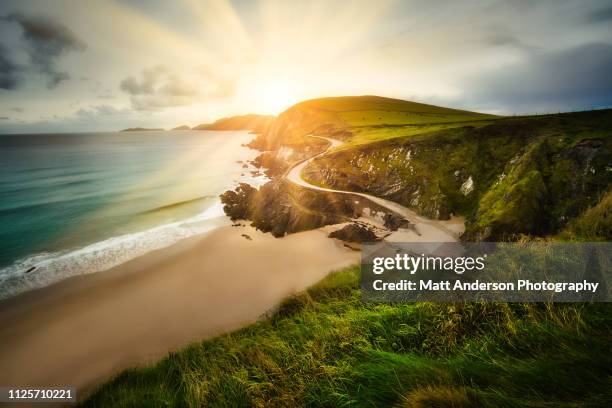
pixel 281 207
pixel 355 232
pixel 393 222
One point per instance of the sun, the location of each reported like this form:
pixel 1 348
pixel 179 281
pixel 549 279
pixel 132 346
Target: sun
pixel 275 95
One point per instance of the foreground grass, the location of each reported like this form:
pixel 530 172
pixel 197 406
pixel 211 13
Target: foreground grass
pixel 327 348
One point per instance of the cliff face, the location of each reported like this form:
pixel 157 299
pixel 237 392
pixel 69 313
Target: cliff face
pixel 515 176
pixel 291 127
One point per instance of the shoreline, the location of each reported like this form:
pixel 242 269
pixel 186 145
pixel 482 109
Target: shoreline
pixel 83 330
pixel 70 213
pixel 39 270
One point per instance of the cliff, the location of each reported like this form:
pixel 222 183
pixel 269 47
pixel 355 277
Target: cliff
pixel 513 176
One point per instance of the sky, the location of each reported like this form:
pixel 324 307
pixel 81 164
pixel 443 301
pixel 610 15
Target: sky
pixel 71 66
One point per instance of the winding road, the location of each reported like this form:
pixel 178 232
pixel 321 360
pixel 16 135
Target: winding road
pixel 427 230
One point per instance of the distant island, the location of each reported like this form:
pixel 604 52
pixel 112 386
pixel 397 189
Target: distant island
pixel 140 129
pixel 252 122
pixel 255 123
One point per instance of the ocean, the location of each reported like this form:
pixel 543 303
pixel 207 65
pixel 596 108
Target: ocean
pixel 82 203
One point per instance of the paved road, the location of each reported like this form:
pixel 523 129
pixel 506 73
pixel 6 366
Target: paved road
pixel 433 230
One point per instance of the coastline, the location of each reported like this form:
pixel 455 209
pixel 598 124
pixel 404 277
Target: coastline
pixel 70 213
pixel 83 330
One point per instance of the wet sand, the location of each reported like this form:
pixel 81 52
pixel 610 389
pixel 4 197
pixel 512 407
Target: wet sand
pixel 83 330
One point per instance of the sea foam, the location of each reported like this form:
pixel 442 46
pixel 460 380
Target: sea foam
pixel 51 267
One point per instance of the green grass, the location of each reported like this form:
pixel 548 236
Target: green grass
pixel 378 103
pixel 326 348
pixel 337 115
pixel 371 134
pixel 595 224
pixel 374 118
pixel 378 117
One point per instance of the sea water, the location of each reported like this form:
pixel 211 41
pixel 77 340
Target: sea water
pixel 81 203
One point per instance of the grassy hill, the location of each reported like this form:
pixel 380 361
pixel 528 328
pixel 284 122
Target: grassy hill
pixel 376 110
pixel 326 348
pixel 346 116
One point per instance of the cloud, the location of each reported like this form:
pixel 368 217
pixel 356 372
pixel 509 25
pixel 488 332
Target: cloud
pixel 4 118
pixel 150 79
pixel 95 112
pixel 578 77
pixel 499 39
pixel 45 43
pixel 9 71
pixel 161 87
pixel 600 16
pixel 106 94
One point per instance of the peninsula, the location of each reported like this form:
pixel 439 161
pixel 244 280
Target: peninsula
pixel 141 129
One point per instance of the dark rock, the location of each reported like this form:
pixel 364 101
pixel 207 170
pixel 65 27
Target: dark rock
pixel 281 207
pixel 236 203
pixel 247 237
pixel 355 233
pixel 393 222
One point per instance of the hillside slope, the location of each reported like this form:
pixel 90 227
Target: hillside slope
pixel 255 123
pixel 343 116
pixel 511 176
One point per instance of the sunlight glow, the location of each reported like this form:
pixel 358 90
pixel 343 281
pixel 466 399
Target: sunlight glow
pixel 275 95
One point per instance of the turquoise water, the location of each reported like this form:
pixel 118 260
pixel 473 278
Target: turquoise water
pixel 82 203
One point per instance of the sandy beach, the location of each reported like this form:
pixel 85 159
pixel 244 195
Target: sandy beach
pixel 83 330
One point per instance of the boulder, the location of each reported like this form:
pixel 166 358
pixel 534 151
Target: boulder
pixel 393 222
pixel 354 232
